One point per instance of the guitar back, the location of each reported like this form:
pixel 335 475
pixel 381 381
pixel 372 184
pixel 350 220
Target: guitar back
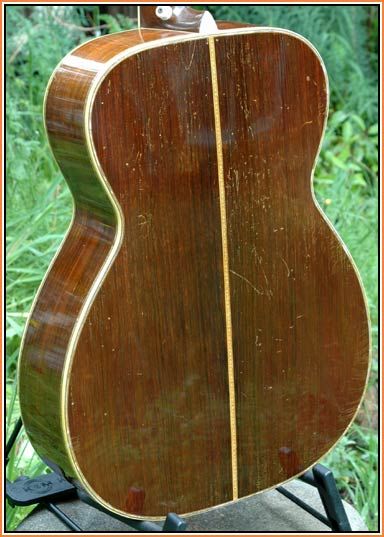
pixel 202 334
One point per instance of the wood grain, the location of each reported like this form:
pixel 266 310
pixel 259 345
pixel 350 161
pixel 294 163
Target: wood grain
pixel 146 424
pixel 88 242
pixel 160 347
pixel 300 326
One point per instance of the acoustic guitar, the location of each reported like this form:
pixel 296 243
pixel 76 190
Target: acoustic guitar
pixel 202 333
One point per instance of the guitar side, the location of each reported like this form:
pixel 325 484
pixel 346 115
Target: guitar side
pixel 89 244
pixel 199 287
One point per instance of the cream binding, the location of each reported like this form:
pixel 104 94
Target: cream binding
pixel 104 71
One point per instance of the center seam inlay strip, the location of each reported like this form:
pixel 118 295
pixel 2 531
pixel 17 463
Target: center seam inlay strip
pixel 224 241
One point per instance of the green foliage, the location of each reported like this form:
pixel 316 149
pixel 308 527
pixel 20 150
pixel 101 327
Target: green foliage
pixel 354 464
pixel 117 23
pixel 39 204
pixel 37 201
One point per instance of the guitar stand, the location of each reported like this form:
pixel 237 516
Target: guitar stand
pixel 48 489
pixel 323 479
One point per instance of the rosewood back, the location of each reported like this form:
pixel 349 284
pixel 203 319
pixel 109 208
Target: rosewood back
pixel 202 334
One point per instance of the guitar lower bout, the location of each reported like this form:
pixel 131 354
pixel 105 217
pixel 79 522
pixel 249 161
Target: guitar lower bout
pixel 202 334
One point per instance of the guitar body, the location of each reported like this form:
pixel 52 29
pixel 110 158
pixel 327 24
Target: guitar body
pixel 202 333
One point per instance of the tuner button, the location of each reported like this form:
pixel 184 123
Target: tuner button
pixel 164 12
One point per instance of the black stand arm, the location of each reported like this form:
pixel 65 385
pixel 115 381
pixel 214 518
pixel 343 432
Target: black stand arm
pixel 322 478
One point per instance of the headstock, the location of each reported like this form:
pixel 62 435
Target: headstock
pixel 180 18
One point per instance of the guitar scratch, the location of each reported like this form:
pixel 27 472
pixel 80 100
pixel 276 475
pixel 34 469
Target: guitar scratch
pixel 187 67
pixel 247 281
pixel 286 265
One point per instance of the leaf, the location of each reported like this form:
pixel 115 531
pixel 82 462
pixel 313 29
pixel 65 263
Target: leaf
pixel 373 130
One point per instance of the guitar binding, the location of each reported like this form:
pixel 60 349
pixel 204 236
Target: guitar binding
pixel 48 489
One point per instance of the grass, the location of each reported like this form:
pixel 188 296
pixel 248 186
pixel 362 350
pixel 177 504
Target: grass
pixel 39 211
pixel 354 464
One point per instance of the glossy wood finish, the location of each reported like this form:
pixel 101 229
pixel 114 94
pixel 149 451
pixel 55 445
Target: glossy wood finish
pixel 183 18
pixel 298 313
pixel 154 343
pixel 81 257
pixel 147 406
